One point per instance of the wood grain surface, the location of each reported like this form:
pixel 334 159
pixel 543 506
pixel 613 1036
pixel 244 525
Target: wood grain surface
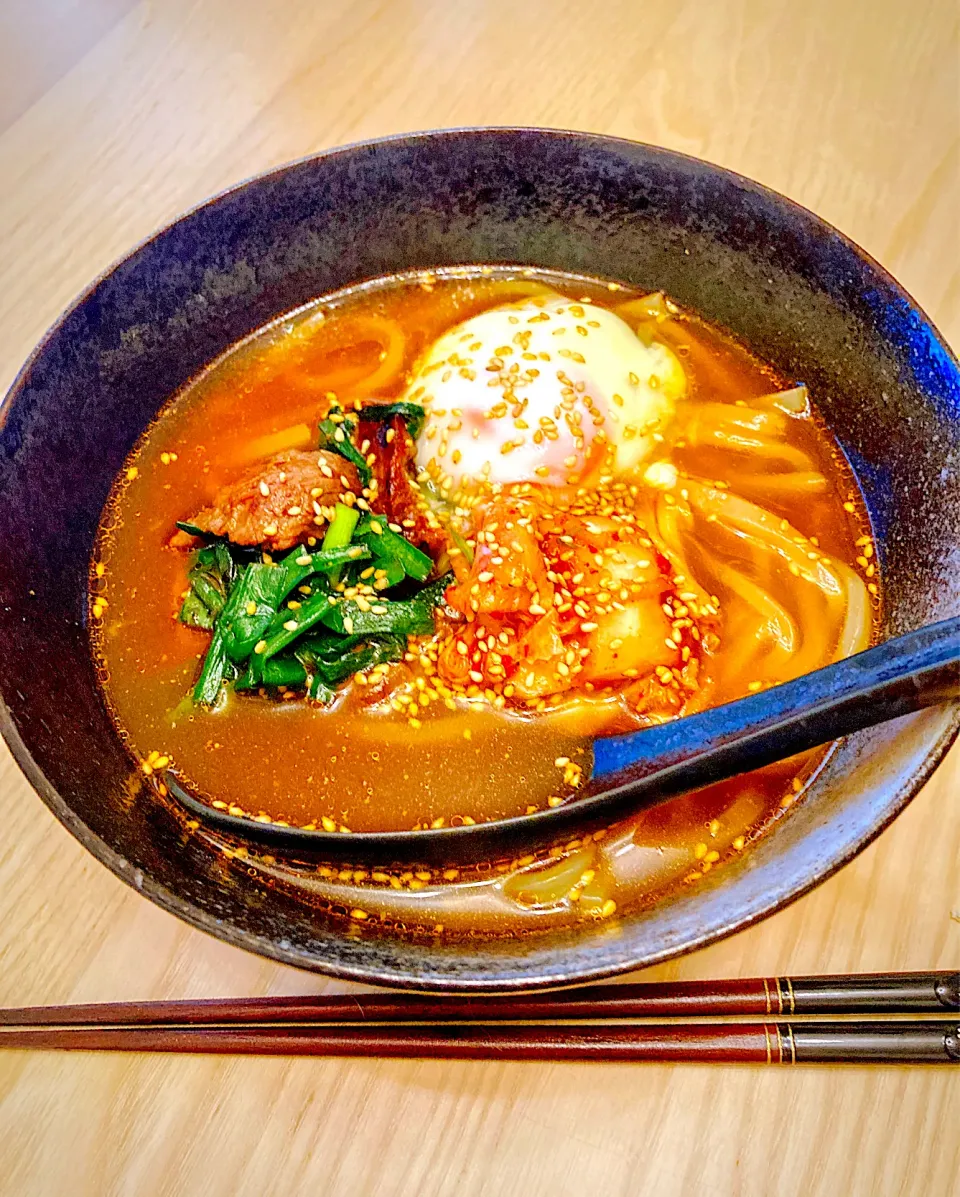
pixel 114 117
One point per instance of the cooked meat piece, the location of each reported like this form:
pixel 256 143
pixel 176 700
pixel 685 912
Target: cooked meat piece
pixel 397 496
pixel 273 504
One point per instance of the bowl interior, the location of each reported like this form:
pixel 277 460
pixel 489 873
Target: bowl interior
pixel 797 292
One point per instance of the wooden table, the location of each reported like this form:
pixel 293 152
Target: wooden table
pixel 114 117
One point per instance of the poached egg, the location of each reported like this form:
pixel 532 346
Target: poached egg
pixel 547 390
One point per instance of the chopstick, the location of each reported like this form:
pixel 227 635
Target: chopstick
pixel 864 993
pixel 881 1042
pixel 545 1026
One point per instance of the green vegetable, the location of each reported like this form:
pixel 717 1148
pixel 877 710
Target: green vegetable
pixel 388 545
pixel 212 675
pixel 339 532
pixel 408 617
pixel 462 545
pixel 191 529
pixel 320 692
pixel 336 436
pixel 393 572
pixel 279 636
pixel 211 574
pixel 324 639
pixel 217 666
pixel 412 414
pixel 267 586
pixel 282 671
pixel 340 529
pixel 324 561
pixel 195 613
pixel 337 657
pixel 262 587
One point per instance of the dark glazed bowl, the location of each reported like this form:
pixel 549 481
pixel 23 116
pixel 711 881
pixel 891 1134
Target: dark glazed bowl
pixel 794 289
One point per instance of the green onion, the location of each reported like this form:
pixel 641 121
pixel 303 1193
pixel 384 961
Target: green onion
pixel 216 664
pixel 191 529
pixel 393 573
pixel 458 540
pixel 335 658
pixel 386 544
pixel 340 532
pixel 263 588
pixel 210 682
pixel 282 671
pixel 333 637
pixel 267 586
pixel 408 617
pixel 374 652
pixel 278 637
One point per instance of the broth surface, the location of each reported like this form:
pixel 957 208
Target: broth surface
pixel 365 771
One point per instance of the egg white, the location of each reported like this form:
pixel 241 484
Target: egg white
pixel 546 390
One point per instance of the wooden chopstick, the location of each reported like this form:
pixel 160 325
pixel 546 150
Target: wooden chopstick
pixel 776 997
pixel 878 1042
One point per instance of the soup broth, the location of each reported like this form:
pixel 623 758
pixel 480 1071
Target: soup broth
pixel 748 532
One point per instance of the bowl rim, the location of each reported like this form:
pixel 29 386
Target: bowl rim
pixel 438 981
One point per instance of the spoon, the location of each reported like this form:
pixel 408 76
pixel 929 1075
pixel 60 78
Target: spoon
pixel 634 772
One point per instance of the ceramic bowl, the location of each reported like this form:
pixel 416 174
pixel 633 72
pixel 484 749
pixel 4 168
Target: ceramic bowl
pixel 794 289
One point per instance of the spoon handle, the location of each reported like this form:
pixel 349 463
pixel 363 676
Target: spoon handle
pixel 900 676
